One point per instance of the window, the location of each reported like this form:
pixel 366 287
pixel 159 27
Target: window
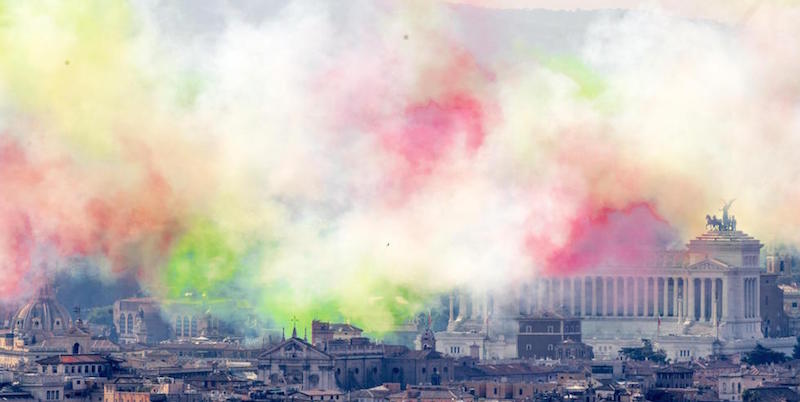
pixel 550 328
pixel 550 347
pixel 794 304
pixel 528 329
pixel 54 370
pixel 528 347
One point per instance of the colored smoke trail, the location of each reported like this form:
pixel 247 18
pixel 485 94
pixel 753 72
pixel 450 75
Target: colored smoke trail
pixel 354 163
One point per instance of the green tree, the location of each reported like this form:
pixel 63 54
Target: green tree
pixel 644 352
pixel 762 355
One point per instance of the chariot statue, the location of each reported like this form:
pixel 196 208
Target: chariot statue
pixel 724 224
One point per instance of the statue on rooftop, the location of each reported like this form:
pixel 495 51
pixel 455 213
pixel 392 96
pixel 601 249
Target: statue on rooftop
pixel 726 223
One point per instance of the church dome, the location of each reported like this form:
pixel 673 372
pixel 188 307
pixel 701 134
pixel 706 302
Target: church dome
pixel 43 314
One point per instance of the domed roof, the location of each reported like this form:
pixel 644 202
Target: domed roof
pixel 43 314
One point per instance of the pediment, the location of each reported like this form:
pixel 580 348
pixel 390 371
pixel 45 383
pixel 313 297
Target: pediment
pixel 710 264
pixel 294 349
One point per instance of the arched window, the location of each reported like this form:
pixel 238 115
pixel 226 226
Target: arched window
pixel 129 329
pixel 186 326
pixel 122 323
pixel 178 327
pixel 739 388
pixel 76 348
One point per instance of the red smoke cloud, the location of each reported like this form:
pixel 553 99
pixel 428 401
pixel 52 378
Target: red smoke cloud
pixel 606 237
pixel 434 128
pixel 53 205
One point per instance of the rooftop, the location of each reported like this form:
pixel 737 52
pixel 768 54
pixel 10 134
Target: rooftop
pixel 74 359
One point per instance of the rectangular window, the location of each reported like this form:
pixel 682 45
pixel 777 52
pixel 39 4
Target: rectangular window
pixel 794 304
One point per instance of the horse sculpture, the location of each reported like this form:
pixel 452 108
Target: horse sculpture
pixel 713 223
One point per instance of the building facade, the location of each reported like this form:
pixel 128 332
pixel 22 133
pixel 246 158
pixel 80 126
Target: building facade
pixel 138 320
pixel 694 302
pixel 791 306
pixel 296 364
pixel 774 321
pixel 540 335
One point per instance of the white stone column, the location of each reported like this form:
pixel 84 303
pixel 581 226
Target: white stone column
pixel 609 290
pixel 689 281
pixel 746 297
pixel 750 298
pixel 599 289
pixel 757 298
pixel 714 292
pixel 641 291
pixel 746 300
pixel 451 308
pixel 724 297
pixel 703 299
pixel 665 296
pixel 675 297
pixel 588 287
pixel 624 296
pixel 475 314
pixel 462 305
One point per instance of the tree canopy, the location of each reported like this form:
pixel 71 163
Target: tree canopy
pixel 644 352
pixel 763 355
